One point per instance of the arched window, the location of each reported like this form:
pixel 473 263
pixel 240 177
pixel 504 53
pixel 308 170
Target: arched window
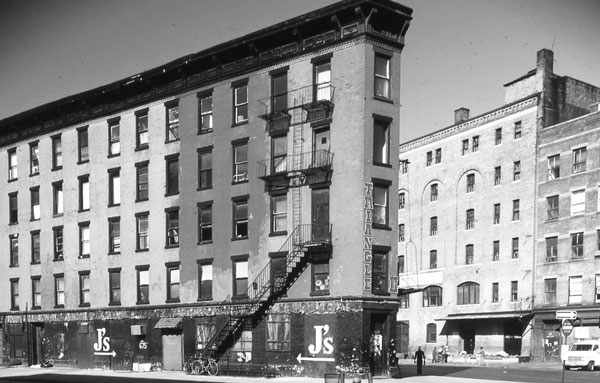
pixel 432 296
pixel 431 333
pixel 468 293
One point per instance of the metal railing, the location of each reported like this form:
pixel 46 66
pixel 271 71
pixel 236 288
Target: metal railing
pixel 304 97
pixel 296 162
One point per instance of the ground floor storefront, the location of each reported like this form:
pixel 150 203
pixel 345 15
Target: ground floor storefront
pixel 306 338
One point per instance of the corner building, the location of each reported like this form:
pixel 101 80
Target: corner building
pixel 233 202
pixel 468 216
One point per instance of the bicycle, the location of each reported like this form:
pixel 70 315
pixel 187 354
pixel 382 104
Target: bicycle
pixel 201 365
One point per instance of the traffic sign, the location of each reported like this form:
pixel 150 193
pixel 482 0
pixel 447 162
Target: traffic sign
pixel 566 314
pixel 567 327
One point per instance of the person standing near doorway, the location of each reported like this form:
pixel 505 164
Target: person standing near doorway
pixel 419 360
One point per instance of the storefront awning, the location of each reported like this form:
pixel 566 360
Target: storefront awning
pixel 455 322
pixel 168 323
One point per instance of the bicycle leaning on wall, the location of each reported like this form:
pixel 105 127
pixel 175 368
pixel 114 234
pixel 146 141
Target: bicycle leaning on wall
pixel 199 365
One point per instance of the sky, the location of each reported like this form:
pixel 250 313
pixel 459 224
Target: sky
pixel 458 53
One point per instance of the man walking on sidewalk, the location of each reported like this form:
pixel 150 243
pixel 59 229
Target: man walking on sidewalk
pixel 419 360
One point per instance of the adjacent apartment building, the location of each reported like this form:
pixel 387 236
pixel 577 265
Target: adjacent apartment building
pixel 468 216
pixel 234 202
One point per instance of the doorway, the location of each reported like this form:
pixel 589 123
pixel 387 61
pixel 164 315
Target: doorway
pixel 321 146
pixel 172 349
pixel 320 215
pixel 378 344
pixel 468 335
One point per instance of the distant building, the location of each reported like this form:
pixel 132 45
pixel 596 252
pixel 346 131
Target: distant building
pixel 234 202
pixel 468 216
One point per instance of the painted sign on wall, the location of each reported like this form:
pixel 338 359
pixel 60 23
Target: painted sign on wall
pixel 367 235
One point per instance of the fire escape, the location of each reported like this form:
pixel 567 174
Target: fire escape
pixel 308 242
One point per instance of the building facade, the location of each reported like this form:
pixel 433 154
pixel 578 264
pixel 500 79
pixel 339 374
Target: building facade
pixel 234 202
pixel 468 217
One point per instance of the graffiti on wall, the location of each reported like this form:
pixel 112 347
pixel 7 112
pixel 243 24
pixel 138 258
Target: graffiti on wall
pixel 367 235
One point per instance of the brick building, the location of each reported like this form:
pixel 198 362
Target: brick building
pixel 468 216
pixel 233 202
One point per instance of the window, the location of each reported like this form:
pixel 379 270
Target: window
pixel 552 207
pixel 579 159
pixel 516 170
pixel 173 282
pixel 13 209
pixel 206 328
pixel 279 335
pixel 469 254
pixel 554 167
pixel 240 218
pixel 114 281
pixel 58 242
pixel 172 174
pixel 59 290
pixel 114 137
pixel 380 205
pixel 142 231
pixel 434 192
pixel 496 213
pixel 114 235
pixel 279 213
pixel 498 136
pixel 401 264
pixel 320 278
pixel 551 249
pixel 518 130
pixel 322 81
pixel 172 224
pixel 598 240
pixel 279 154
pixel 465 147
pixel 84 240
pixel 381 141
pixel 575 290
pixel 470 224
pixel 495 292
pixel 244 343
pixel 470 183
pixel 84 193
pixel 205 169
pixel 206 113
pixel 468 293
pixel 35 247
pixel 438 155
pixel 577 245
pixel 56 152
pixel 240 277
pixel 433 226
pixel 403 301
pixel 597 292
pixel 172 121
pixel 550 291
pixel 240 104
pixel 516 210
pixel 578 202
pixel 205 222
pixel 497 175
pixel 141 180
pixel 82 144
pixel 36 292
pixel 380 272
pixel 114 187
pixel 514 291
pixel 401 232
pixel 431 333
pixel 34 158
pixel 496 251
pixel 143 284
pixel 141 129
pixel 404 166
pixel 429 158
pixel 475 146
pixel 13 173
pixel 57 198
pixel 205 281
pixel 401 200
pixel 382 76
pixel 14 294
pixel 279 91
pixel 432 296
pixel 14 250
pixel 35 203
pixel 240 162
pixel 515 248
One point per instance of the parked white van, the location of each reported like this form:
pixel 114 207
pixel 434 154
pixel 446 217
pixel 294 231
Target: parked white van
pixel 583 354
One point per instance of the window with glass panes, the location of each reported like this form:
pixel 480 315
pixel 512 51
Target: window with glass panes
pixel 432 296
pixel 240 218
pixel 142 242
pixel 35 247
pixel 382 76
pixel 141 129
pixel 205 281
pixel 82 142
pixel 14 250
pixel 498 136
pixel 58 242
pixel 495 292
pixel 114 137
pixel 172 121
pixel 381 140
pixel 468 293
pixel 552 207
pixel 401 233
pixel 279 213
pixel 114 281
pixel 143 284
pixel 14 293
pixel 515 248
pixel 205 166
pixel 35 203
pixel 13 169
pixel 114 235
pixel 320 278
pixel 141 170
pixel 59 290
pixel 497 175
pixel 470 219
pixel 516 170
pixel 433 259
pixel 57 198
pixel 36 292
pixel 205 222
pixel 240 162
pixel 240 277
pixel 579 160
pixel 279 337
pixel 496 251
pixel 172 225
pixel 173 282
pixel 240 104
pixel 438 155
pixel 84 193
pixel 56 152
pixel 206 112
pixel 516 210
pixel 551 249
pixel 206 328
pixel 278 154
pixel 34 158
pixel 475 146
pixel 431 333
pixel 575 290
pixel 433 226
pixel 496 213
pixel 380 205
pixel 470 182
pixel 380 271
pixel 434 192
pixel 577 245
pixel 84 240
pixel 514 291
pixel 172 174
pixel 554 167
pixel 322 80
pixel 13 208
pixel 114 187
pixel 469 254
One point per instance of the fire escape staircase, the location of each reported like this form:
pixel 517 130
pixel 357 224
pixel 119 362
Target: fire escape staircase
pixel 307 243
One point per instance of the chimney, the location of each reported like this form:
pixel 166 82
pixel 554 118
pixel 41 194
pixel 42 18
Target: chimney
pixel 460 115
pixel 545 60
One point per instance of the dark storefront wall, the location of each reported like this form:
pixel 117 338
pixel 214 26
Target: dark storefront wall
pixel 493 334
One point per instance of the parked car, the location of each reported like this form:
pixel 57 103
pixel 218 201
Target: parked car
pixel 583 354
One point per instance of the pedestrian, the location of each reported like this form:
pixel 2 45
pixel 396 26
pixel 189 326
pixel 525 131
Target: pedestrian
pixel 445 353
pixel 420 360
pixel 434 355
pixel 480 355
